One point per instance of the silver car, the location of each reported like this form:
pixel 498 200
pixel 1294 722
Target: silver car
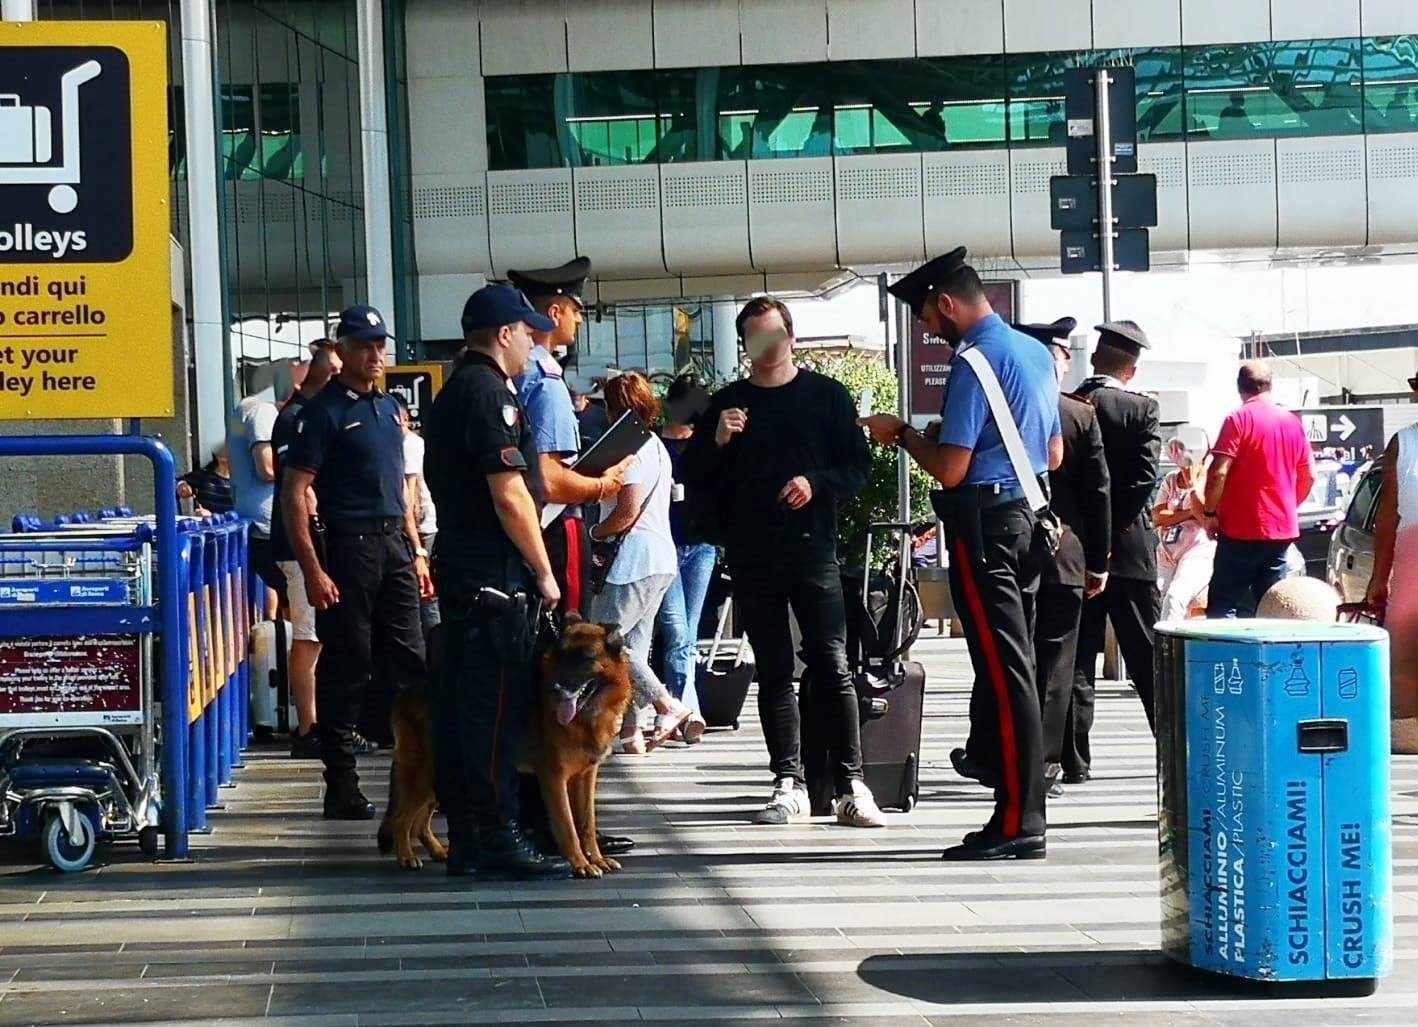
pixel 1351 546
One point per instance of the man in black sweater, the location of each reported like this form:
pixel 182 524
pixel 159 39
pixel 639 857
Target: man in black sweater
pixel 778 451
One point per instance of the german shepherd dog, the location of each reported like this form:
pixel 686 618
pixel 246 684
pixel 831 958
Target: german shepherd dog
pixel 583 691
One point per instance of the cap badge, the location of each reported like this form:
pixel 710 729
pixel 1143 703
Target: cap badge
pixel 509 415
pixel 373 318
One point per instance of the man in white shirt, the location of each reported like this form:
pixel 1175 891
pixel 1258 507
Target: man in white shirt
pixel 420 499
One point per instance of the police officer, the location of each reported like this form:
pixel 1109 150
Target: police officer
pixel 493 571
pixel 995 555
pixel 367 585
pixel 556 294
pixel 1079 495
pixel 1132 440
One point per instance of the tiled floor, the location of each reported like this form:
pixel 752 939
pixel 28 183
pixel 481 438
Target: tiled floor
pixel 284 918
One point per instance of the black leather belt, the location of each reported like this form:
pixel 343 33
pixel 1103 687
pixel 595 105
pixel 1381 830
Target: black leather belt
pixel 992 496
pixel 367 526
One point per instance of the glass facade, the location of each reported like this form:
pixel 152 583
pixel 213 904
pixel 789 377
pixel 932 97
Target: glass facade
pixel 660 336
pixel 401 186
pixel 762 112
pixel 290 164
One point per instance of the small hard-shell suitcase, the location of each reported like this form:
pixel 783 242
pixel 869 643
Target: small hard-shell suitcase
pixel 272 713
pixel 723 674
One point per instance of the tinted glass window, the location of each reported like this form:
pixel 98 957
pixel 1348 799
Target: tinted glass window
pixel 1365 496
pixel 521 122
pixel 1309 87
pixel 918 106
pixel 1391 84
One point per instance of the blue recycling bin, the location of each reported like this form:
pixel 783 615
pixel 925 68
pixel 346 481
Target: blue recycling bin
pixel 1273 800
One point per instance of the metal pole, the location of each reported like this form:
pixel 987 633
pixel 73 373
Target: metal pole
pixel 1104 131
pixel 903 406
pixel 18 10
pixel 374 143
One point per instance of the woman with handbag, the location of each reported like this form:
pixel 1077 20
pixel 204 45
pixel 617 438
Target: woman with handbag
pixel 634 564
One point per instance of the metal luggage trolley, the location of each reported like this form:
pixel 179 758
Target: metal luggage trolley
pixel 77 690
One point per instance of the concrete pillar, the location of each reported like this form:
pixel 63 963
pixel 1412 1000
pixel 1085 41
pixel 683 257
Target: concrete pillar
pixel 374 146
pixel 216 386
pixel 726 339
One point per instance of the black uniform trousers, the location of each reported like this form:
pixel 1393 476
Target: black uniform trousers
pixel 1056 626
pixel 373 628
pixel 994 593
pixel 568 544
pixel 1133 605
pixel 812 588
pixel 481 701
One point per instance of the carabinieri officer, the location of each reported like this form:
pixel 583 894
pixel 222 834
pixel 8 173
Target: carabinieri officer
pixel 556 294
pixel 492 568
pixel 995 556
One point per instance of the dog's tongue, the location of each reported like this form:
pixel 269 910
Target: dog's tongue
pixel 566 711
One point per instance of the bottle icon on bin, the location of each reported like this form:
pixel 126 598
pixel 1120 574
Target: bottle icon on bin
pixel 27 140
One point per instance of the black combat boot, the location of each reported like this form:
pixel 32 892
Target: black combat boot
pixel 507 854
pixel 344 800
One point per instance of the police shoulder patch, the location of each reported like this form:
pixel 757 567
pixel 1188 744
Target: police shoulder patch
pixel 509 414
pixel 512 457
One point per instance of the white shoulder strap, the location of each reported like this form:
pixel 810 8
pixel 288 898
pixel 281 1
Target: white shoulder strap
pixel 1008 429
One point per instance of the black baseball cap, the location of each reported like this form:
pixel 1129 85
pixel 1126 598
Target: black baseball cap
pixel 362 323
pixel 493 306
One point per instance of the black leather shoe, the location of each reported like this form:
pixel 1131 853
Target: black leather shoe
pixel 460 865
pixel 614 844
pixel 965 766
pixel 1053 787
pixel 987 845
pixel 347 803
pixel 1076 777
pixel 306 746
pixel 508 855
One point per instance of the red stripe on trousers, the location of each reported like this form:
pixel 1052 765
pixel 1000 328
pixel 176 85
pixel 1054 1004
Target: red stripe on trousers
pixel 573 564
pixel 995 669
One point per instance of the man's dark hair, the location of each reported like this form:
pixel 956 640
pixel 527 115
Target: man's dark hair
pixel 682 387
pixel 480 338
pixel 1253 378
pixel 1113 360
pixel 962 284
pixel 760 305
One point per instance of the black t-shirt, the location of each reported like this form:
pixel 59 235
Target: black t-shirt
pixel 475 428
pixel 804 428
pixel 353 444
pixel 212 490
pixel 282 438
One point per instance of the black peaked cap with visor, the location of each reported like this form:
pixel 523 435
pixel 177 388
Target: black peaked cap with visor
pixel 912 289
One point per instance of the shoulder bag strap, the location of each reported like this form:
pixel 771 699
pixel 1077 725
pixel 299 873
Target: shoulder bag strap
pixel 1008 429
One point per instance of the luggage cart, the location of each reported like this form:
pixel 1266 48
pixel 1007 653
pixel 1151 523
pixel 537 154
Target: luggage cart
pixel 26 144
pixel 77 691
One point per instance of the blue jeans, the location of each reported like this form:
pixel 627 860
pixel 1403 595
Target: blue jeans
pixel 679 619
pixel 1242 573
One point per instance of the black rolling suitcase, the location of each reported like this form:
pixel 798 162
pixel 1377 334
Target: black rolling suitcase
pixel 884 618
pixel 723 674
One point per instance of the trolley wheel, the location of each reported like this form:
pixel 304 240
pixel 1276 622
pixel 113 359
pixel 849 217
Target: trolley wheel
pixel 67 852
pixel 909 804
pixel 149 838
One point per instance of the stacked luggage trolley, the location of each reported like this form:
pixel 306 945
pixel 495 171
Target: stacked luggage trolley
pixel 123 671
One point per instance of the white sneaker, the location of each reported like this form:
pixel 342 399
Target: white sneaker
pixel 789 803
pixel 859 809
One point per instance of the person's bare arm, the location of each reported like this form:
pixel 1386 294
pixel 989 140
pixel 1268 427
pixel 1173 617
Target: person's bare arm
pixel 1305 477
pixel 627 506
pixel 1056 452
pixel 1385 535
pixel 295 511
pixel 1216 482
pixel 411 529
pixel 946 464
pixel 517 513
pixel 265 460
pixel 564 485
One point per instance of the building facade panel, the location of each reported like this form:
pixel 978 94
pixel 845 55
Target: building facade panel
pixel 1311 19
pixel 878 206
pixel 783 31
pixel 705 221
pixel 618 218
pixel 946 28
pixel 1389 17
pixel 1322 192
pixel 1137 23
pixel 520 38
pixel 1029 173
pixel 1392 165
pixel 1047 25
pixel 966 202
pixel 1232 195
pixel 442 38
pixel 531 220
pixel 792 220
pixel 1227 21
pixel 609 34
pixel 869 30
pixel 694 33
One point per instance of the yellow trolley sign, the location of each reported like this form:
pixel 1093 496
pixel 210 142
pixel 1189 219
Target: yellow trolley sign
pixel 85 279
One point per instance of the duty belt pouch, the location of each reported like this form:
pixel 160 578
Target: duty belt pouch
pixel 508 623
pixel 959 511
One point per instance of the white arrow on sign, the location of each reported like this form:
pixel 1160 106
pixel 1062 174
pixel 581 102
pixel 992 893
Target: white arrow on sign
pixel 1343 427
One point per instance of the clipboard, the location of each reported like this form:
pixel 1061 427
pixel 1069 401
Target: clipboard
pixel 622 439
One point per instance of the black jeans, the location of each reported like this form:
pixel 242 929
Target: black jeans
pixel 994 596
pixel 763 594
pixel 1242 573
pixel 481 701
pixel 1058 614
pixel 374 625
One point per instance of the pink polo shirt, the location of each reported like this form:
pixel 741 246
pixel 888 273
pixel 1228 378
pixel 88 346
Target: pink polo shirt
pixel 1268 448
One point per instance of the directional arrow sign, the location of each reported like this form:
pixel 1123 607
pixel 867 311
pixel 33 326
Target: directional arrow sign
pixel 1349 430
pixel 1343 427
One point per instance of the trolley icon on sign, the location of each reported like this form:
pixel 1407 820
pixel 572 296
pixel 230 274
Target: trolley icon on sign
pixel 27 140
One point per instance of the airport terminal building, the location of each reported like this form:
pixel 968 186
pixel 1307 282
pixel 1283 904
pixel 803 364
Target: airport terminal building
pixel 398 152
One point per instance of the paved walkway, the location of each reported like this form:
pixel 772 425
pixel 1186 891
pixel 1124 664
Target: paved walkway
pixel 284 918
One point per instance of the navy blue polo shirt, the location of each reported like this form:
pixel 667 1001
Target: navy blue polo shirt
pixel 352 443
pixel 282 439
pixel 1026 375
